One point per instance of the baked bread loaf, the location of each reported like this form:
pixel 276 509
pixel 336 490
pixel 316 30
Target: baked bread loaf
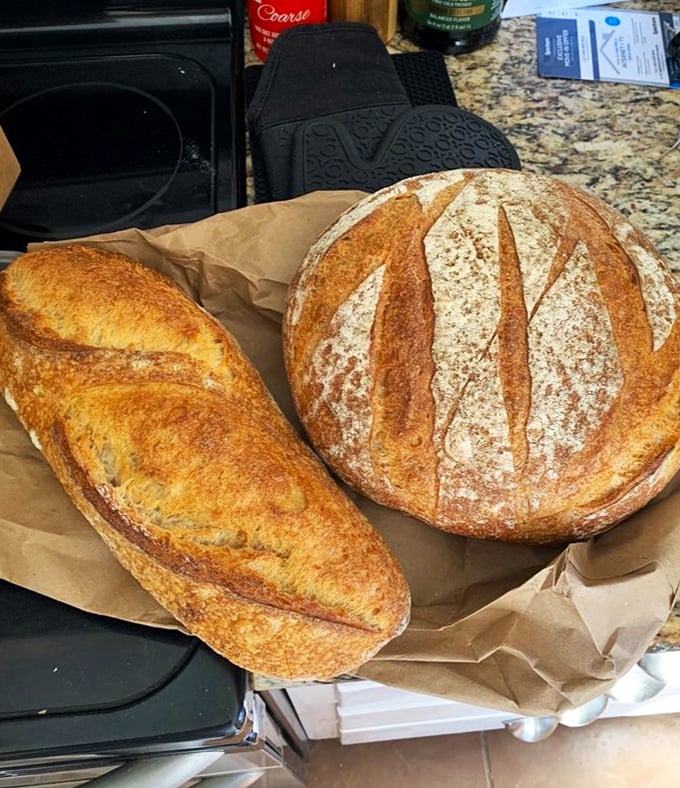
pixel 166 439
pixel 494 352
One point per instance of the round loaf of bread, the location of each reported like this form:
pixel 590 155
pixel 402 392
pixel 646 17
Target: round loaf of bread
pixel 494 352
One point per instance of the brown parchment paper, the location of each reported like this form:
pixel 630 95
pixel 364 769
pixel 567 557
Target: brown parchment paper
pixel 527 630
pixel 9 168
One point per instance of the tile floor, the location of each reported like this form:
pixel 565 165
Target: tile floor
pixel 632 752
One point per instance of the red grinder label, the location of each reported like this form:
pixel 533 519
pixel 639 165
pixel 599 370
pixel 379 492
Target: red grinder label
pixel 267 18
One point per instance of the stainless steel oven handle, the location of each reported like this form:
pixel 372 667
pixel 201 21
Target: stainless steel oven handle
pixel 166 771
pixel 175 771
pixel 244 780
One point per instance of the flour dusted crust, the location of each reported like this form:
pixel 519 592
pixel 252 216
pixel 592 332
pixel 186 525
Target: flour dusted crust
pixel 166 439
pixel 494 352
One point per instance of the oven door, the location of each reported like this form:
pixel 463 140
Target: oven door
pixel 87 698
pixel 268 757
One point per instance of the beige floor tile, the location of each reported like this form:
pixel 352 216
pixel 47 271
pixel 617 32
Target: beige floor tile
pixel 433 762
pixel 632 752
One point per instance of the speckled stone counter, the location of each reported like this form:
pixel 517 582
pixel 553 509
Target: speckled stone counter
pixel 612 139
pixel 609 138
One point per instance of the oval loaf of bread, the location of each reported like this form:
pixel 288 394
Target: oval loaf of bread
pixel 166 439
pixel 494 352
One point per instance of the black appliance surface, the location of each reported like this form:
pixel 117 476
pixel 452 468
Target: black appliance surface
pixel 122 114
pixel 75 685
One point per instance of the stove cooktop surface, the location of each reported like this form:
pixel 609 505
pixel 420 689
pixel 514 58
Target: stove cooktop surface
pixel 128 117
pixel 103 147
pixel 122 113
pixel 73 684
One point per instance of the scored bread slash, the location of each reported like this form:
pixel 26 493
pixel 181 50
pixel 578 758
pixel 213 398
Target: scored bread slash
pixel 166 439
pixel 494 352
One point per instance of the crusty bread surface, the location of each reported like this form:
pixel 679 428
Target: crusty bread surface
pixel 494 352
pixel 165 437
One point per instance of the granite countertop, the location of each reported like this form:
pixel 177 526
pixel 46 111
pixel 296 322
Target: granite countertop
pixel 611 139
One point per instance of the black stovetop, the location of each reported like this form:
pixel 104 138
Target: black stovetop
pixel 74 684
pixel 122 113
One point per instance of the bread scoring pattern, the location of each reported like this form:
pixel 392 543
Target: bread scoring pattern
pixel 166 439
pixel 513 343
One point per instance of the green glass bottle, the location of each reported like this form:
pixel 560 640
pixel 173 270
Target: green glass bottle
pixel 450 26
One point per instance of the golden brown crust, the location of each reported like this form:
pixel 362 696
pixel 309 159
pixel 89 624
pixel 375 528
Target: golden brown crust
pixel 514 344
pixel 167 441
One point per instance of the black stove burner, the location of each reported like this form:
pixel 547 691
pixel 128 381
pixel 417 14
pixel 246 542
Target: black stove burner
pixel 34 682
pixel 73 684
pixel 116 130
pixel 119 151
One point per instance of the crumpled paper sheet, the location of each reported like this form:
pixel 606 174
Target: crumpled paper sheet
pixel 530 630
pixel 9 168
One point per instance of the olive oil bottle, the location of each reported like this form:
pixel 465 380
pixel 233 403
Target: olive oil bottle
pixel 450 26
